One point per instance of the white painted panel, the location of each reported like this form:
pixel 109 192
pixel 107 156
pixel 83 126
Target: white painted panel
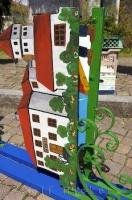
pixel 85 42
pixel 40 101
pixel 15 41
pixel 58 65
pixel 16 31
pixel 16 48
pixel 43 126
pixel 28 40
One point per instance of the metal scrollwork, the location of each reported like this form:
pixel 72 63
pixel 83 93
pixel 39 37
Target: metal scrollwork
pixel 94 156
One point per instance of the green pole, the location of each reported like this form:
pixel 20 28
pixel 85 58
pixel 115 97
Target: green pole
pixel 96 48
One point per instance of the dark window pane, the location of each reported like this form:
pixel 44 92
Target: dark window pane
pixel 60 34
pixel 17 53
pixel 39 154
pixel 34 84
pixel 25 44
pixel 52 122
pixel 40 162
pixel 24 33
pixel 38 143
pixel 52 136
pixel 15 43
pixel 35 118
pixel 37 132
pixel 26 50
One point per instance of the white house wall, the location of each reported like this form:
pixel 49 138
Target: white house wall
pixel 41 88
pixel 43 126
pixel 28 38
pixel 16 41
pixel 58 65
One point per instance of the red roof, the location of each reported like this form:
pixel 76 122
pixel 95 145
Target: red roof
pixel 43 50
pixel 5 42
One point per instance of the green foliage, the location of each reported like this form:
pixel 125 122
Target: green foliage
pixel 62 131
pixel 19 13
pixel 124 27
pixel 71 16
pixel 61 79
pixel 4 11
pixel 57 104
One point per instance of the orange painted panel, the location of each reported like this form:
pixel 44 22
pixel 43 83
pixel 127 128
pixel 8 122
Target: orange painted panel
pixel 43 50
pixel 5 42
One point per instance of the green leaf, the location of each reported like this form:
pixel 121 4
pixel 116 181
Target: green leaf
pixel 57 104
pixel 62 131
pixel 61 79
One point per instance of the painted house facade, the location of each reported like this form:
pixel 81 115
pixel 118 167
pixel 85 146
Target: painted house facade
pixel 42 44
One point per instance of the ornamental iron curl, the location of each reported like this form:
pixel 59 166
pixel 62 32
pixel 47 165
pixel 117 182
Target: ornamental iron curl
pixel 96 159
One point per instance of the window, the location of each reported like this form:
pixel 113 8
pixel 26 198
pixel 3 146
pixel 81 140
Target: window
pixel 15 28
pixel 26 50
pixel 16 52
pixel 14 32
pixel 60 34
pixel 53 157
pixel 37 132
pixel 52 122
pixel 34 84
pixel 25 44
pixel 56 149
pixel 35 118
pixel 40 162
pixel 24 33
pixel 15 43
pixel 39 154
pixel 52 136
pixel 38 143
pixel 45 145
pixel 25 28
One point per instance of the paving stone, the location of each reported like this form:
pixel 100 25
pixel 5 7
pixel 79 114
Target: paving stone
pixel 4 190
pixel 15 195
pixel 8 119
pixel 123 149
pixel 29 198
pixel 126 170
pixel 129 163
pixel 43 197
pixel 29 190
pixel 15 123
pixel 2 177
pixel 6 136
pixel 130 153
pixel 115 168
pixel 11 182
pixel 128 124
pixel 129 134
pixel 127 141
pixel 13 130
pixel 119 158
pixel 17 139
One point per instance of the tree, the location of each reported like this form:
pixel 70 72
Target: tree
pixel 4 11
pixel 19 13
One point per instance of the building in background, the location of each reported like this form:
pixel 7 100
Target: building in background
pixel 52 6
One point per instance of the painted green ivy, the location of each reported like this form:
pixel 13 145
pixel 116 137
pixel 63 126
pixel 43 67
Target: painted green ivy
pixel 57 104
pixel 70 99
pixel 62 131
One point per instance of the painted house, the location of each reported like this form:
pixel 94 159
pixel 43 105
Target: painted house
pixel 42 45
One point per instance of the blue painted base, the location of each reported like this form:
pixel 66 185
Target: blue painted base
pixel 15 163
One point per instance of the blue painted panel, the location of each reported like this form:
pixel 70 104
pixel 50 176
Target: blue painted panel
pixel 15 163
pixel 83 101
